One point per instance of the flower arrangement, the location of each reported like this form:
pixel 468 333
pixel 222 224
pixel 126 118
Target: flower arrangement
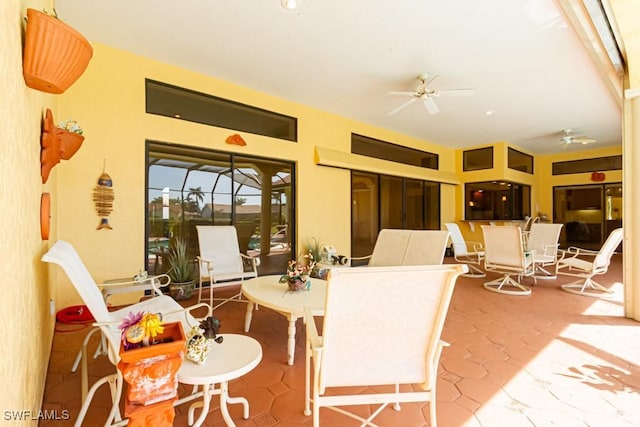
pixel 71 126
pixel 139 329
pixel 298 274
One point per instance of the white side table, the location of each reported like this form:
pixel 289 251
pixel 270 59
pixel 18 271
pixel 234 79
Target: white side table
pixel 267 291
pixel 231 359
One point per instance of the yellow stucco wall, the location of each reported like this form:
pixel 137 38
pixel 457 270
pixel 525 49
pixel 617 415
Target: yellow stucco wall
pixel 25 321
pixel 546 181
pixel 109 102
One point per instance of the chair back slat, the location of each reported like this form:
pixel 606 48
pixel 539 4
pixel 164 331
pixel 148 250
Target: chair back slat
pixel 390 248
pixel 503 246
pixel 382 324
pixel 457 240
pixel 65 255
pixel 543 236
pixel 219 244
pixel 409 247
pixel 426 247
pixel 602 260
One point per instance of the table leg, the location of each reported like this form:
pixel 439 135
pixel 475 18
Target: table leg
pixel 248 316
pixel 245 405
pixel 291 344
pixel 206 401
pixel 224 390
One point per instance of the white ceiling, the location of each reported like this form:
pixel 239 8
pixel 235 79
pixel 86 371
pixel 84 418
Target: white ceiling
pixel 525 63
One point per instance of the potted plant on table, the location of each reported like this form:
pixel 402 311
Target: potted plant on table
pixel 181 270
pixel 298 275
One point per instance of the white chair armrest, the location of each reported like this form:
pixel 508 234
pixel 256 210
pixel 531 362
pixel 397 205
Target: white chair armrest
pixel 255 261
pixel 153 281
pixel 197 306
pixel 574 251
pixel 203 262
pixel 550 250
pixel 475 246
pixel 359 258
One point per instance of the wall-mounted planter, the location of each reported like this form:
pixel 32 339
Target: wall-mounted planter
pixel 57 144
pixel 55 55
pixel 50 153
pixel 70 143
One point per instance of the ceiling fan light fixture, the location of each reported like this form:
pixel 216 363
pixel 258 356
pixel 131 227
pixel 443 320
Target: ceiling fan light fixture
pixel 290 4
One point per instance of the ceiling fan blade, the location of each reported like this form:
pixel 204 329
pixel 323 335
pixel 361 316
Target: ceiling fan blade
pixel 401 93
pixel 430 105
pixel 454 92
pixel 401 106
pixel 428 82
pixel 583 140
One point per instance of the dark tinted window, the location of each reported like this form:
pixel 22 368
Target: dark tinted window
pixel 481 158
pixel 396 153
pixel 497 200
pixel 520 161
pixel 176 102
pixel 588 165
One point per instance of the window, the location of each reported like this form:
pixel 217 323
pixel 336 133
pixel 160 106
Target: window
pixel 189 186
pixel 382 201
pixel 588 165
pixel 396 153
pixel 481 158
pixel 520 161
pixel 176 102
pixel 497 200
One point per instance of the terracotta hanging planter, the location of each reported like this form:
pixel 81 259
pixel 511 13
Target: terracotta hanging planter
pixel 50 153
pixel 55 55
pixel 70 143
pixel 57 143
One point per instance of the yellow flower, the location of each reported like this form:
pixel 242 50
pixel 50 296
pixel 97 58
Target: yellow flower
pixel 152 324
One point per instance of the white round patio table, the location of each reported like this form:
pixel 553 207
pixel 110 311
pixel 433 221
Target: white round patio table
pixel 267 291
pixel 231 359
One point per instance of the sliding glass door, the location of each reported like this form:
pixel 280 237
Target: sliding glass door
pixel 589 213
pixel 382 201
pixel 189 186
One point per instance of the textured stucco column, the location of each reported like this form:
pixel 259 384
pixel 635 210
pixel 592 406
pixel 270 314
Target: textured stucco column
pixel 631 200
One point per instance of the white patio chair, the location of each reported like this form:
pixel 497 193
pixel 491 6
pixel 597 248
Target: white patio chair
pixel 65 255
pixel 140 283
pixel 505 254
pixel 572 263
pixel 470 253
pixel 526 228
pixel 542 242
pixel 407 247
pixel 220 260
pixel 380 338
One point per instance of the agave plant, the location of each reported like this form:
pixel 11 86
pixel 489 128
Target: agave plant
pixel 181 269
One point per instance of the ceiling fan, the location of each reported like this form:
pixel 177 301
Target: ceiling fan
pixel 426 94
pixel 568 138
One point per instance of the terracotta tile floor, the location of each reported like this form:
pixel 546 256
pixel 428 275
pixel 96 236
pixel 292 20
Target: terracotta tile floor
pixel 550 359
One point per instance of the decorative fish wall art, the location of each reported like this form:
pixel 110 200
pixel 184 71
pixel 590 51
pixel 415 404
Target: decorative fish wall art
pixel 103 198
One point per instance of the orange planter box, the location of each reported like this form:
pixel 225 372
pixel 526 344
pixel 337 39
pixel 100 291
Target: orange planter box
pixel 151 371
